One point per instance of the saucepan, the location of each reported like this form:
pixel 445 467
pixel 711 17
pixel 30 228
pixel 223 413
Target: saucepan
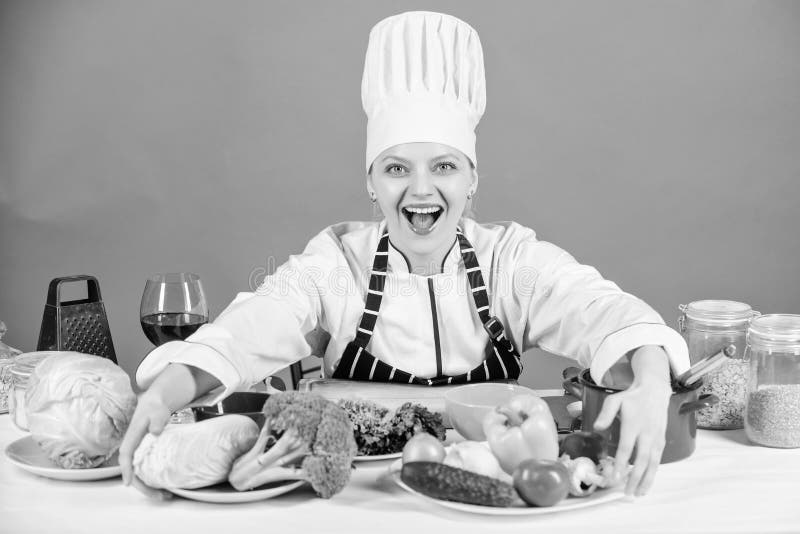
pixel 681 423
pixel 247 403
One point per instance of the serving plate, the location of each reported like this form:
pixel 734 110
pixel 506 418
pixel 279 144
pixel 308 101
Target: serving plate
pixel 26 454
pixel 226 494
pixel 378 457
pixel 570 503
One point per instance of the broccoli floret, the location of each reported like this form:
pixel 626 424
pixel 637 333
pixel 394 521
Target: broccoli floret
pixel 380 431
pixel 311 439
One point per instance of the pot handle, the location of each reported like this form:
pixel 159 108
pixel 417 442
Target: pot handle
pixel 570 383
pixel 704 401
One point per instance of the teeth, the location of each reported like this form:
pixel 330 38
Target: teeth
pixel 433 209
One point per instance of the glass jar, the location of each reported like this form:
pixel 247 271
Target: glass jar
pixel 773 392
pixel 5 382
pixel 7 355
pixel 708 326
pixel 21 370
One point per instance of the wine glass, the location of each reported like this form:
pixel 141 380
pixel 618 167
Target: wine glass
pixel 173 307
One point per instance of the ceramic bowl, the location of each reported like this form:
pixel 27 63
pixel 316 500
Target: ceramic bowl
pixel 466 406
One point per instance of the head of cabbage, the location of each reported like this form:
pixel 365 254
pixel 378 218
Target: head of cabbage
pixel 78 408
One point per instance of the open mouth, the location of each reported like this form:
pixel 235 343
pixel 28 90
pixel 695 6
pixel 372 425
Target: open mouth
pixel 422 219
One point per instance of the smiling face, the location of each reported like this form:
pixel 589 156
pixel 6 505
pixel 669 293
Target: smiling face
pixel 422 191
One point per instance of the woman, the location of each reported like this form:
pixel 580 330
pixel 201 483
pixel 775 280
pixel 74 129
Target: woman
pixel 426 296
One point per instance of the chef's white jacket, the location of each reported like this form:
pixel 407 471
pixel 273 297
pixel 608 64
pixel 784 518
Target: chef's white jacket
pixel 540 293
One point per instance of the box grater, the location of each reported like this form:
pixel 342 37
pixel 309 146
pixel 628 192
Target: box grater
pixel 76 325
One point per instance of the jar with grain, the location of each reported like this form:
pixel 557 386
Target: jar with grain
pixel 5 382
pixel 21 370
pixel 7 355
pixel 708 326
pixel 772 416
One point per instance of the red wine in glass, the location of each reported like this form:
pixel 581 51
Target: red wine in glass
pixel 173 307
pixel 163 327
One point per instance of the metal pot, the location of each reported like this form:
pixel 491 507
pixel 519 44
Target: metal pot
pixel 681 424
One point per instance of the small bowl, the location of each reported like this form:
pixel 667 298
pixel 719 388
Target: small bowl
pixel 247 403
pixel 466 406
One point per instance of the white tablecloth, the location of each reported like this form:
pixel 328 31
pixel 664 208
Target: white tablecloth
pixel 728 485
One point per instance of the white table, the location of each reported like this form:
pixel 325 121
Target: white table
pixel 726 486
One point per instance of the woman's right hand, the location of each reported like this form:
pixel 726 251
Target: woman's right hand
pixel 151 416
pixel 175 387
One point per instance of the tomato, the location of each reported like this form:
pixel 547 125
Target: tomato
pixel 423 448
pixel 541 482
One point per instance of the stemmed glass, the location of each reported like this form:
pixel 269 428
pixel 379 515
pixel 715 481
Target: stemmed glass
pixel 173 307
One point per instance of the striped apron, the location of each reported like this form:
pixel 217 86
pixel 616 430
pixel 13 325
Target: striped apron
pixel 358 364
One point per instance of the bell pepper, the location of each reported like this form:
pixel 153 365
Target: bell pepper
pixel 521 429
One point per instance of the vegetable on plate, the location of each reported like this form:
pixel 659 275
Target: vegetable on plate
pixel 585 456
pixel 476 457
pixel 195 455
pixel 584 477
pixel 309 439
pixel 587 444
pixel 542 482
pixel 78 408
pixel 378 430
pixel 423 448
pixel 521 429
pixel 449 483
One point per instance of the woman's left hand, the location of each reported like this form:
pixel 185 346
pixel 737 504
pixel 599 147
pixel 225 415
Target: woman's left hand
pixel 643 409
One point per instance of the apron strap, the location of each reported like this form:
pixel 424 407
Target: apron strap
pixel 491 324
pixel 377 282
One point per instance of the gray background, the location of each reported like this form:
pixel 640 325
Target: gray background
pixel 657 141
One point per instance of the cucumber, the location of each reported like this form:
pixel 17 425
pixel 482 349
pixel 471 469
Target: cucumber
pixel 449 483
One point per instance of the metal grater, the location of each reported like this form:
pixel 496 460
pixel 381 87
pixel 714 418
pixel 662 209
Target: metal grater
pixel 77 325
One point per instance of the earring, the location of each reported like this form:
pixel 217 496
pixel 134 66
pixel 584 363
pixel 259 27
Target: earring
pixel 469 195
pixel 376 210
pixel 373 196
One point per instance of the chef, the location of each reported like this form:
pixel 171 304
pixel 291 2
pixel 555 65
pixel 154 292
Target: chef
pixel 427 295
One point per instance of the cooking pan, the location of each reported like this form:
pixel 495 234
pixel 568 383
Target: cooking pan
pixel 681 423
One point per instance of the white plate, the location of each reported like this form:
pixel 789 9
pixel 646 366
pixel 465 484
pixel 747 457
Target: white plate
pixel 570 503
pixel 26 454
pixel 378 457
pixel 226 494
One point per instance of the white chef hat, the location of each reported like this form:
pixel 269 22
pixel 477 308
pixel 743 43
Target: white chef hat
pixel 423 82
